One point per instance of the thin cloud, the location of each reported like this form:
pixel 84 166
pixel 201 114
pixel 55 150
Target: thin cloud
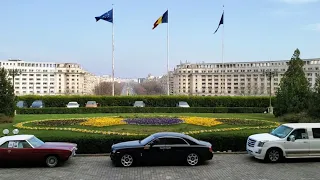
pixel 285 13
pixel 312 27
pixel 298 1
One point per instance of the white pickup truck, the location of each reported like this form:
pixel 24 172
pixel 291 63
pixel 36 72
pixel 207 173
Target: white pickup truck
pixel 292 140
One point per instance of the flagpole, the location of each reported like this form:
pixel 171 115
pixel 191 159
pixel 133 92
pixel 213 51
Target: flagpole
pixel 222 53
pixel 168 87
pixel 222 35
pixel 112 50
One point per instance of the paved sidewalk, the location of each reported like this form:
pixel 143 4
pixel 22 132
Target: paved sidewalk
pixel 222 167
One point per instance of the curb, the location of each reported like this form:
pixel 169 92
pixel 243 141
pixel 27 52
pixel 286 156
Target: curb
pixel 108 154
pixel 230 152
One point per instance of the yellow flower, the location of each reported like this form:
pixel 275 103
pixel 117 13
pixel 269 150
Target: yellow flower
pixel 103 121
pixel 201 121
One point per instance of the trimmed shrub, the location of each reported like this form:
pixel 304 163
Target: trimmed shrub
pixel 154 101
pixel 60 110
pixel 302 117
pixel 222 141
pixel 5 119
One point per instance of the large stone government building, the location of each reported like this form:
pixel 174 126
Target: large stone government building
pixel 235 79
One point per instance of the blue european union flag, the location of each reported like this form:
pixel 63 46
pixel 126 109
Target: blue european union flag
pixel 108 16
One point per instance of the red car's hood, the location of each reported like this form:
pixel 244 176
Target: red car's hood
pixel 58 145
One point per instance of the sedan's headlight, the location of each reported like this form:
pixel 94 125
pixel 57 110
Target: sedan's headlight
pixel 261 143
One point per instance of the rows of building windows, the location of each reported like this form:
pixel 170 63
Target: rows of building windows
pixel 203 80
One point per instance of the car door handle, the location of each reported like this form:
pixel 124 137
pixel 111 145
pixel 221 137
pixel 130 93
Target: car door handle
pixel 305 142
pixel 168 147
pixel 9 151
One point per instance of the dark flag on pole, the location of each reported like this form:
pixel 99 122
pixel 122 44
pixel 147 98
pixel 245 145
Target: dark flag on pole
pixel 221 22
pixel 108 16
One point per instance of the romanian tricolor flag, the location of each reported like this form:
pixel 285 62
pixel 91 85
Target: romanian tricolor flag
pixel 162 19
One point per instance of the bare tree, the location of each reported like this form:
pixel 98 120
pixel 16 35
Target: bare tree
pixel 105 88
pixel 139 89
pixel 149 88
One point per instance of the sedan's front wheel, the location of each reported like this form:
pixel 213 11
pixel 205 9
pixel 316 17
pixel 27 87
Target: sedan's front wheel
pixel 193 159
pixel 126 160
pixel 52 161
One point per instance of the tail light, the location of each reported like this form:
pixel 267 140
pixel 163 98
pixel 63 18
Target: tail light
pixel 210 149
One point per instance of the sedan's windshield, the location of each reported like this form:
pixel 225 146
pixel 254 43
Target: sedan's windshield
pixel 73 103
pixel 138 103
pixel 35 142
pixel 91 102
pixel 20 104
pixel 183 103
pixel 281 131
pixel 147 139
pixel 37 103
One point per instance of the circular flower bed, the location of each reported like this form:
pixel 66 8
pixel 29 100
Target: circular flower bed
pixel 153 121
pixel 208 123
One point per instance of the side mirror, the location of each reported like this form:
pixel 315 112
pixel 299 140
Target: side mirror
pixel 150 144
pixel 291 138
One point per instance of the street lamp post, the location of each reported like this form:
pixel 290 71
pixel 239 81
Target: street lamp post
pixel 270 74
pixel 13 73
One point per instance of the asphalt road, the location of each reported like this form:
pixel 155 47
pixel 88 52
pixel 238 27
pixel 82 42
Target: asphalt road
pixel 223 166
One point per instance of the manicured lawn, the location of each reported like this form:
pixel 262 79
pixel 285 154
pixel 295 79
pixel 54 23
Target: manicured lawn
pixel 129 128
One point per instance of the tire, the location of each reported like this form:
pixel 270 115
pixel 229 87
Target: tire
pixel 274 155
pixel 52 161
pixel 126 160
pixel 193 159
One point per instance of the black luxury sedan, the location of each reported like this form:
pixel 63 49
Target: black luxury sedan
pixel 160 148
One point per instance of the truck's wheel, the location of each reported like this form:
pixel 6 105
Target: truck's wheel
pixel 274 155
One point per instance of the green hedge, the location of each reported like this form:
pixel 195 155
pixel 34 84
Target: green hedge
pixel 154 101
pixel 126 109
pixel 221 141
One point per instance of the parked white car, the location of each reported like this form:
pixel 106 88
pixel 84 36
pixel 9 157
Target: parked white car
pixel 293 140
pixel 73 105
pixel 139 104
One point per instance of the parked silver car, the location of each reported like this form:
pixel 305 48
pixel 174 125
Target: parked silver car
pixel 183 104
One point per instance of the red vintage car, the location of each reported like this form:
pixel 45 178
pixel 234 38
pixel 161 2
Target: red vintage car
pixel 28 148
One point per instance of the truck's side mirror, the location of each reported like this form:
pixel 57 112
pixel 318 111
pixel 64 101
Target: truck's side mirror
pixel 291 138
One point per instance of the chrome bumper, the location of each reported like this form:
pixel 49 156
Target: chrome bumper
pixel 74 152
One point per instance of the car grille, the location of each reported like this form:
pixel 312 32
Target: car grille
pixel 251 142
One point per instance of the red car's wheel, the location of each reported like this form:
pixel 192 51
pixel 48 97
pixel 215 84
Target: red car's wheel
pixel 52 161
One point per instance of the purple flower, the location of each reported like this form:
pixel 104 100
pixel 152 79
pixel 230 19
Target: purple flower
pixel 153 121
